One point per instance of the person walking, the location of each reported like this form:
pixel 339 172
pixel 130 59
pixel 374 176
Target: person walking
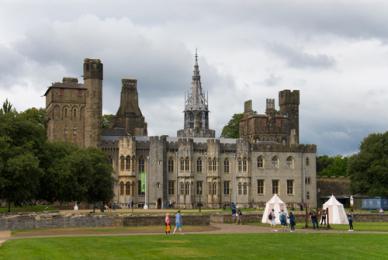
pixel 323 218
pixel 283 220
pixel 239 217
pixel 291 217
pixel 350 220
pixel 167 223
pixel 234 212
pixel 178 222
pixel 271 218
pixel 314 219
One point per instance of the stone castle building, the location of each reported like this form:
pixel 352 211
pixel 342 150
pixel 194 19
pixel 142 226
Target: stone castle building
pixel 195 167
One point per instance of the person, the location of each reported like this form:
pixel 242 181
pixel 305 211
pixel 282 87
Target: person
pixel 239 216
pixel 178 222
pixel 271 218
pixel 233 208
pixel 75 206
pixel 381 211
pixel 350 220
pixel 314 219
pixel 291 217
pixel 283 220
pixel 167 223
pixel 323 217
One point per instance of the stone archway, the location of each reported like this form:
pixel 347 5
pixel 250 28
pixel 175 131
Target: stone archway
pixel 159 203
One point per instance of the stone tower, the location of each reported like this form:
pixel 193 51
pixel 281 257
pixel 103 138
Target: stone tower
pixel 196 114
pixel 129 118
pixel 93 76
pixel 289 105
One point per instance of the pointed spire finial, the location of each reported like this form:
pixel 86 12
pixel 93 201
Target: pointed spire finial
pixel 196 56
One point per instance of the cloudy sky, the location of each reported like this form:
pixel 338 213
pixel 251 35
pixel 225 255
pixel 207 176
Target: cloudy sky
pixel 334 52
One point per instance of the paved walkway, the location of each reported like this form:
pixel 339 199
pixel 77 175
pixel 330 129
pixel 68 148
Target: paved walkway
pixel 218 229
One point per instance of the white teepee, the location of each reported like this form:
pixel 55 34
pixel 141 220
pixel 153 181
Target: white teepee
pixel 337 214
pixel 274 203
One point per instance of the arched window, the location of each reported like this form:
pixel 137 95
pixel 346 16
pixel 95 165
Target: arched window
pixel 128 163
pixel 141 164
pixel 182 188
pixel 74 113
pixel 199 165
pixel 214 188
pixel 239 188
pixel 290 162
pixel 122 163
pixel 187 164
pixel 226 165
pixel 187 188
pixel 210 165
pixel 182 161
pixel 307 161
pixel 121 188
pixel 275 162
pixel 127 189
pixel 245 188
pixel 239 164
pixel 133 163
pixel 65 112
pixel 245 164
pixel 56 113
pixel 170 165
pixel 214 164
pixel 260 162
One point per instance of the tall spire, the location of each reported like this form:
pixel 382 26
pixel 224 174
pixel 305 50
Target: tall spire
pixel 196 122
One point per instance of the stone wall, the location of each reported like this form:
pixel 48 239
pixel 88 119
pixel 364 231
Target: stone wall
pixel 57 220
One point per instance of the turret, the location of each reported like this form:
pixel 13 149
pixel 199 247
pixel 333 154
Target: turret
pixel 93 75
pixel 289 105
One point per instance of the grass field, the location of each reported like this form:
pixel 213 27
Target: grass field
pixel 358 226
pixel 228 246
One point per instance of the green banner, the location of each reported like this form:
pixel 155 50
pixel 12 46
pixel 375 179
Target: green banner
pixel 143 181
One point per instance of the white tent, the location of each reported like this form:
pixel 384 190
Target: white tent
pixel 274 203
pixel 337 214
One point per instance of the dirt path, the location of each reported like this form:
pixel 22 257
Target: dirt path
pixel 215 229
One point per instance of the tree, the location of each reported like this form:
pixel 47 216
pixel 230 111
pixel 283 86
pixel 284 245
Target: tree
pixel 332 166
pixel 21 179
pixel 7 108
pixel 231 130
pixel 107 121
pixel 368 169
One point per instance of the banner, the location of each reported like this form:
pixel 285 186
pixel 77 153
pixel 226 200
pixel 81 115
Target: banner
pixel 143 181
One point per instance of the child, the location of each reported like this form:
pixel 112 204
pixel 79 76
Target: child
pixel 167 222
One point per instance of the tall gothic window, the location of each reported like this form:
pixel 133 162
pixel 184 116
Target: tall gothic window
pixel 260 162
pixel 199 165
pixel 245 188
pixel 182 188
pixel 182 162
pixel 214 164
pixel 187 188
pixel 214 188
pixel 187 164
pixel 239 188
pixel 122 163
pixel 290 162
pixel 239 164
pixel 275 162
pixel 210 165
pixel 170 165
pixel 128 163
pixel 226 165
pixel 245 164
pixel 127 188
pixel 141 164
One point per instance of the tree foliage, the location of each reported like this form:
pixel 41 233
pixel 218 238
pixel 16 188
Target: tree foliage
pixel 231 130
pixel 368 169
pixel 33 169
pixel 107 121
pixel 332 166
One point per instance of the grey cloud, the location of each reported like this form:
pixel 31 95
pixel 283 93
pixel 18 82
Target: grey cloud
pixel 297 58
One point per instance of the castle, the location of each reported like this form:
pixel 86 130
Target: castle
pixel 195 168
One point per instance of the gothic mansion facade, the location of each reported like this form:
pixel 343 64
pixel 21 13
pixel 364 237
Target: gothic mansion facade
pixel 195 168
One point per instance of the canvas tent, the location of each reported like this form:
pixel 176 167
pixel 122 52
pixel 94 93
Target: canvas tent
pixel 337 214
pixel 274 203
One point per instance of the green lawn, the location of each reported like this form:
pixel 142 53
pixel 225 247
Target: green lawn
pixel 228 246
